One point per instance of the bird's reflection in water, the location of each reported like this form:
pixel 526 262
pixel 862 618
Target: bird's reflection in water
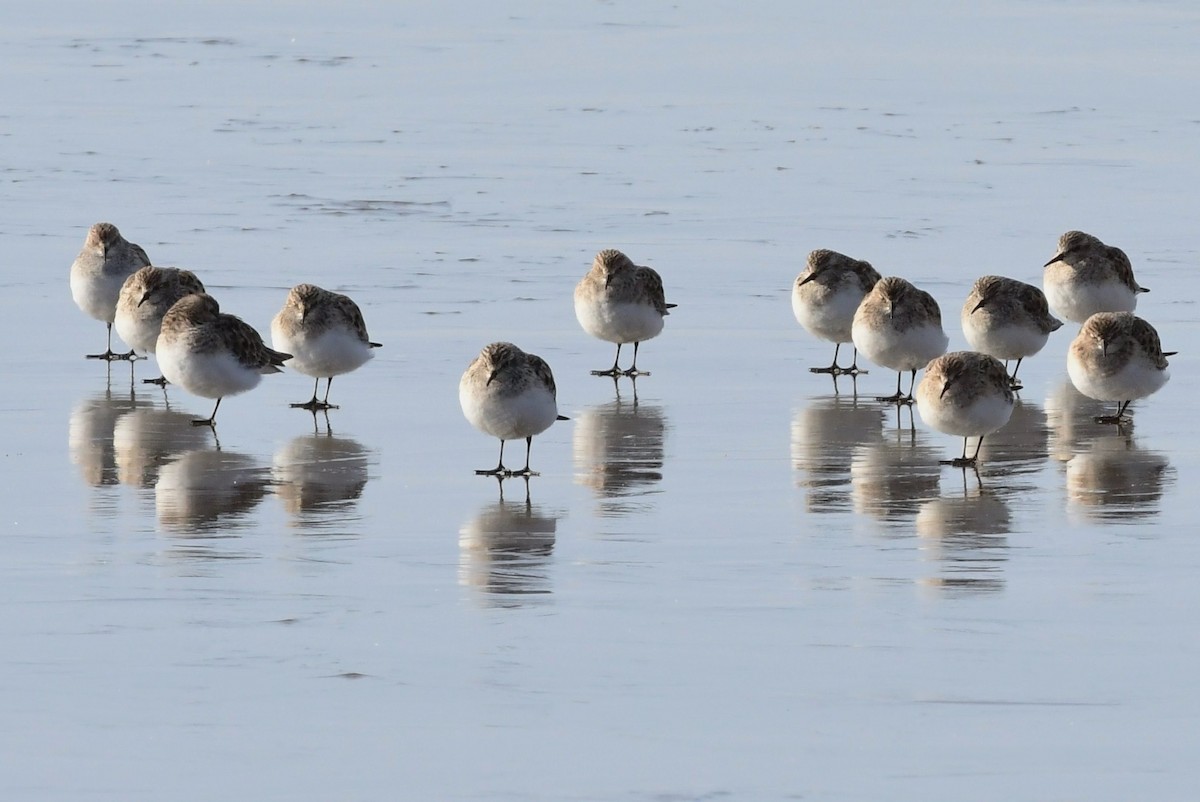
pixel 891 478
pixel 1020 447
pixel 1070 416
pixel 204 496
pixel 90 434
pixel 146 438
pixel 320 477
pixel 505 550
pixel 1115 480
pixel 1109 476
pixel 966 535
pixel 825 433
pixel 618 451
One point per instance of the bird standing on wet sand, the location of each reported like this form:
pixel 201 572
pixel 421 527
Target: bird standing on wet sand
pixel 326 335
pixel 965 393
pixel 620 302
pixel 1007 319
pixel 509 394
pixel 825 297
pixel 1086 276
pixel 900 327
pixel 1117 356
pixel 145 298
pixel 211 354
pixel 98 273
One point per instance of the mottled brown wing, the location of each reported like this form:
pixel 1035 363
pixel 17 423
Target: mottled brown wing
pixel 929 305
pixel 247 345
pixel 1123 267
pixel 1033 301
pixel 139 254
pixel 189 282
pixel 353 315
pixel 1147 338
pixel 542 371
pixel 868 276
pixel 648 278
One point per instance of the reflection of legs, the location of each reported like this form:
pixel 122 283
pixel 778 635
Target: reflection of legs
pixel 614 370
pixel 499 470
pixel 1119 418
pixel 500 482
pixel 853 379
pixel 328 425
pixel 212 419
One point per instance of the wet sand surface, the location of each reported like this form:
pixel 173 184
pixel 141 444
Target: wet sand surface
pixel 733 579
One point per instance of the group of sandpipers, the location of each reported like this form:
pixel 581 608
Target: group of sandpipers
pixel 510 394
pixel 165 311
pixel 1116 356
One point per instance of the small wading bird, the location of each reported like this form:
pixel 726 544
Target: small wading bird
pixel 326 335
pixel 509 394
pixel 1117 356
pixel 825 297
pixel 900 327
pixel 1007 319
pixel 211 354
pixel 1086 276
pixel 621 302
pixel 965 393
pixel 98 273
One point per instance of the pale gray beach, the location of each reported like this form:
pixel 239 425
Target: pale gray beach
pixel 734 580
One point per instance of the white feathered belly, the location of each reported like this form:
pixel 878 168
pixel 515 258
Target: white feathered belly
pixel 139 333
pixel 1137 379
pixel 831 320
pixel 1004 342
pixel 908 350
pixel 982 416
pixel 508 417
pixel 619 322
pixel 98 295
pixel 1077 301
pixel 209 375
pixel 330 353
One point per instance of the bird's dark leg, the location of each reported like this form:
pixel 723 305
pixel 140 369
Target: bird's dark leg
pixel 328 384
pixel 526 472
pixel 313 405
pixel 964 461
pixel 833 369
pixel 499 470
pixel 211 421
pixel 1120 418
pixel 109 355
pixel 614 370
pixel 633 371
pixel 854 370
pixel 1013 384
pixel 899 397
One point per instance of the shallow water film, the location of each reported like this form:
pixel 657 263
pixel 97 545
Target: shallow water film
pixel 733 578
